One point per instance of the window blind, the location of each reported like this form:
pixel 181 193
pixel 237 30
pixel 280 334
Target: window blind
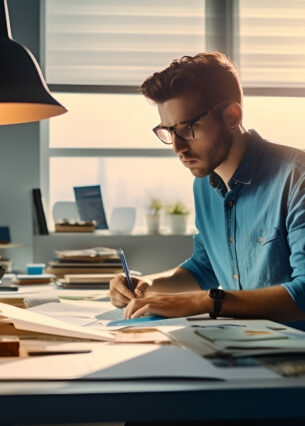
pixel 115 42
pixel 272 43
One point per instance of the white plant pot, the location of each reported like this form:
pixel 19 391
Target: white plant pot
pixel 153 223
pixel 177 223
pixel 122 220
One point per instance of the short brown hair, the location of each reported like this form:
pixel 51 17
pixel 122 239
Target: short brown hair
pixel 211 77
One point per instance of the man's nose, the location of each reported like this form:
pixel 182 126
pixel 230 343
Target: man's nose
pixel 178 144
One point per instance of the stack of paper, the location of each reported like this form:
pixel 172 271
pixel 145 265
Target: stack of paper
pixel 99 260
pixel 242 339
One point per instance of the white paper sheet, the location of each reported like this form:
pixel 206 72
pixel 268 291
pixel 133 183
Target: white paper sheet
pixel 80 313
pixel 127 361
pixel 97 315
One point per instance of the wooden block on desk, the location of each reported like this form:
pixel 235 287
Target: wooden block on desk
pixel 66 226
pixel 17 301
pixel 9 346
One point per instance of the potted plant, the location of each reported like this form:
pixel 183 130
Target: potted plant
pixel 154 208
pixel 177 217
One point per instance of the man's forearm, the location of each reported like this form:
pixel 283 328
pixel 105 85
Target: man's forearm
pixel 273 303
pixel 172 281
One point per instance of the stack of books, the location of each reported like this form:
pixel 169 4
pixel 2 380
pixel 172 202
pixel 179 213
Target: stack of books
pixel 34 278
pixel 82 264
pixel 89 281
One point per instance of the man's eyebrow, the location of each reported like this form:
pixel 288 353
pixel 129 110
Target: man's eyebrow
pixel 180 122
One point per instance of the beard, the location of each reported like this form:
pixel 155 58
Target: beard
pixel 218 153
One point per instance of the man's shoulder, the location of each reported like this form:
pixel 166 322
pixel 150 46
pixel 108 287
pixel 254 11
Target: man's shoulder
pixel 280 153
pixel 288 159
pixel 284 152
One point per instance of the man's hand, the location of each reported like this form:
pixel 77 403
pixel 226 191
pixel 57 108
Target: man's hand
pixel 120 295
pixel 168 305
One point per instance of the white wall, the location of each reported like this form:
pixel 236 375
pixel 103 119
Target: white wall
pixel 19 158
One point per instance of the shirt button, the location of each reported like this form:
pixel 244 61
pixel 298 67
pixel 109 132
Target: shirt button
pixel 235 276
pixel 260 239
pixel 230 203
pixel 231 240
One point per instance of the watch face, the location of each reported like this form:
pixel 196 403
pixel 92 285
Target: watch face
pixel 216 293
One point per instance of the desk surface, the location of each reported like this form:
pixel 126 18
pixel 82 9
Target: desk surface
pixel 83 402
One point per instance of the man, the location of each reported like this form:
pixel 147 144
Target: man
pixel 249 253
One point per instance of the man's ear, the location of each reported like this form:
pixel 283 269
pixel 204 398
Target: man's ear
pixel 232 116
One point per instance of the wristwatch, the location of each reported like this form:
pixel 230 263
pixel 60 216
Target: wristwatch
pixel 217 295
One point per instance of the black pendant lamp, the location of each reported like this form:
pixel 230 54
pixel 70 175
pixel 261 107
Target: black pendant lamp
pixel 24 95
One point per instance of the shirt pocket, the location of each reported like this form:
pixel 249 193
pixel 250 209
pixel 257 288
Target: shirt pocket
pixel 266 258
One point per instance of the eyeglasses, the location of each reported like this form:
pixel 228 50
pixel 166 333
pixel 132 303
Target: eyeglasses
pixel 183 130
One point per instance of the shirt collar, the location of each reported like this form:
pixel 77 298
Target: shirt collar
pixel 246 169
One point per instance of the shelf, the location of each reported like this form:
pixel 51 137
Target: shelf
pixel 11 245
pixel 145 253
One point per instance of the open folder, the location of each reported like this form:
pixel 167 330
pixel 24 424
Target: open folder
pixel 25 319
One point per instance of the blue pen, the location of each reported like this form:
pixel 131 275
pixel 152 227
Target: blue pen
pixel 126 270
pixel 129 284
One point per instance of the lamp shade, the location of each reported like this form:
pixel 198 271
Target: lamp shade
pixel 24 95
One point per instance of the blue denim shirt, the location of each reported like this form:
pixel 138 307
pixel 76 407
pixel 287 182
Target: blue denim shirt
pixel 253 236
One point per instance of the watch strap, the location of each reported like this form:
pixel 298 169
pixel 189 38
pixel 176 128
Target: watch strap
pixel 217 295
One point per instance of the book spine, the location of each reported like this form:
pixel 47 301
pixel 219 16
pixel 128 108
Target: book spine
pixel 39 213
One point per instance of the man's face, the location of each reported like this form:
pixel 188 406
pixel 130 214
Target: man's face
pixel 212 141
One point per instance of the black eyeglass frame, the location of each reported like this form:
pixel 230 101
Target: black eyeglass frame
pixel 188 123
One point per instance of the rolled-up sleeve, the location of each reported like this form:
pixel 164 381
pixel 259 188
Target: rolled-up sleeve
pixel 200 266
pixel 295 223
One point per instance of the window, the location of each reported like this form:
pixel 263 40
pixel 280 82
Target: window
pixel 132 166
pixel 272 44
pixel 276 118
pixel 99 51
